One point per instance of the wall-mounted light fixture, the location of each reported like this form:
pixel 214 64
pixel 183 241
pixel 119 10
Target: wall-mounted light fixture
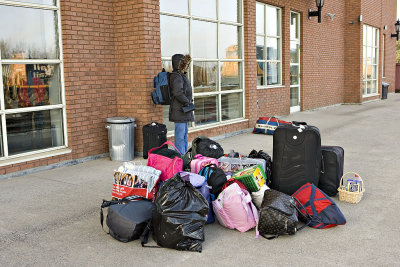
pixel 397 25
pixel 320 4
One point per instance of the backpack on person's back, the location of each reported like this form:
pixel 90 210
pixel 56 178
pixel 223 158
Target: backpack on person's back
pixel 161 94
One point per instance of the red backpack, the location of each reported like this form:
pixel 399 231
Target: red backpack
pixel 319 206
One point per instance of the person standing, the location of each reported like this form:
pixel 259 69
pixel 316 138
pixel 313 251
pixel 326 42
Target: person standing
pixel 181 106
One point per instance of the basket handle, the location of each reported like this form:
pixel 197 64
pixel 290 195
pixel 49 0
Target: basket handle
pixel 341 179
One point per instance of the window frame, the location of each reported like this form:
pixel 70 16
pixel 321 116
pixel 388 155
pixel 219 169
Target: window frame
pixel 375 46
pixel 219 92
pixel 62 106
pixel 279 38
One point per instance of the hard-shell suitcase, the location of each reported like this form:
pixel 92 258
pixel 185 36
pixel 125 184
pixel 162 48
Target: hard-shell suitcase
pixel 332 169
pixel 296 157
pixel 154 135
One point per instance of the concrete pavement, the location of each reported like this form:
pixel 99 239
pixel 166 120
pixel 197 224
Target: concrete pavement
pixel 52 217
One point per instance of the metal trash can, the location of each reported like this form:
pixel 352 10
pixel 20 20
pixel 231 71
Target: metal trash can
pixel 121 138
pixel 385 88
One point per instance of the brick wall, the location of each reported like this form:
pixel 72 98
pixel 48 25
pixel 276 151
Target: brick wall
pixel 388 18
pixel 112 51
pixel 138 59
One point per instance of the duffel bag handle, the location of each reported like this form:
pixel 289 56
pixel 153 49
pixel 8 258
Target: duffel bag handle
pixel 273 117
pixel 165 143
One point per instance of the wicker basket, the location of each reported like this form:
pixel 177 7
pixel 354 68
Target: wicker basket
pixel 349 196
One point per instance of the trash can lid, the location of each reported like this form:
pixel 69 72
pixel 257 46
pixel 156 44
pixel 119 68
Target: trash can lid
pixel 385 84
pixel 120 120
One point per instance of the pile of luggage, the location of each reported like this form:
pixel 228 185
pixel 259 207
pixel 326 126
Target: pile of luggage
pixel 175 195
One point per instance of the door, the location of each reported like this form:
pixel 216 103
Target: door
pixel 294 62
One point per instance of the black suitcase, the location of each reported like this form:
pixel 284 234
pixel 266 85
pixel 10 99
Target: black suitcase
pixel 332 169
pixel 296 157
pixel 154 135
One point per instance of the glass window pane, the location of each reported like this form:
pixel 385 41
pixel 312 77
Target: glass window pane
pixel 294 23
pixel 205 76
pixel 369 72
pixel 260 73
pixel 167 65
pixel 41 2
pixel 294 96
pixel 229 10
pixel 204 39
pixel 294 52
pixel 231 106
pixel 31 131
pixel 229 46
pixel 31 85
pixel 273 73
pixel 173 41
pixel 206 109
pixel 260 47
pixel 170 125
pixel 260 19
pixel 369 85
pixel 369 36
pixel 174 6
pixel 33 37
pixel 273 49
pixel 294 75
pixel 272 16
pixel 204 8
pixel 230 79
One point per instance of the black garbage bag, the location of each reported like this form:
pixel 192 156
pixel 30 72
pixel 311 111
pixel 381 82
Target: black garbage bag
pixel 179 216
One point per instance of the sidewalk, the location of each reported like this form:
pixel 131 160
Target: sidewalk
pixel 52 217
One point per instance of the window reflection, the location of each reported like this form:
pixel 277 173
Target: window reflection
pixel 260 73
pixel 204 39
pixel 230 106
pixel 42 2
pixel 175 6
pixel 30 85
pixel 229 46
pixel 204 8
pixel 228 10
pixel 205 76
pixel 174 41
pixel 34 130
pixel 36 39
pixel 206 110
pixel 230 78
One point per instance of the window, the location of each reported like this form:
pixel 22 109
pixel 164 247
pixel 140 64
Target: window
pixel 370 60
pixel 211 32
pixel 32 105
pixel 268 45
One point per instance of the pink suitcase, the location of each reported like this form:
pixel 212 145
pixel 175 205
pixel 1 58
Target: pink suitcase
pixel 200 161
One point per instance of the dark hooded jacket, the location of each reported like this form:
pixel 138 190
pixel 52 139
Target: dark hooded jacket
pixel 181 90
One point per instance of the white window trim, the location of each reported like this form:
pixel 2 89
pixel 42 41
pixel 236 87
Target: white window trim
pixel 52 151
pixel 375 45
pixel 297 41
pixel 265 36
pixel 218 60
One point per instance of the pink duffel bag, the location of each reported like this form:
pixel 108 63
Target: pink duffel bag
pixel 234 209
pixel 168 161
pixel 200 161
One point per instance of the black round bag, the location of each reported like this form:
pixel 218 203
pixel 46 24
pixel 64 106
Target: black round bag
pixel 209 148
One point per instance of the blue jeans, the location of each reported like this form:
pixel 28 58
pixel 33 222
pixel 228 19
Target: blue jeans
pixel 181 136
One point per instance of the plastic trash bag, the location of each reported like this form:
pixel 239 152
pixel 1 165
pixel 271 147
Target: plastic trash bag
pixel 179 216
